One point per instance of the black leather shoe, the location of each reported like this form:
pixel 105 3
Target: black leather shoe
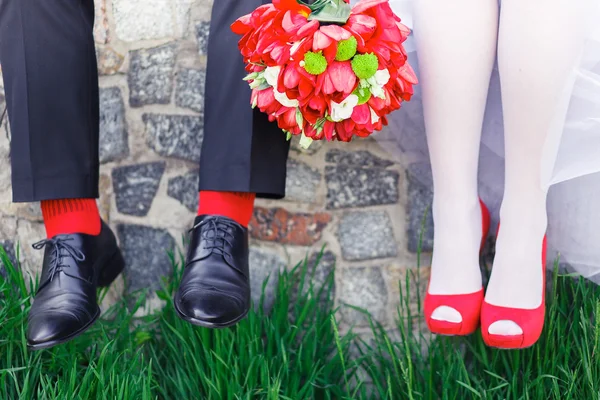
pixel 65 304
pixel 215 288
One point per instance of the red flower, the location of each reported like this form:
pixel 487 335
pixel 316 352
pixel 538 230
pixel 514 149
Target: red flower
pixel 293 22
pixel 279 34
pixel 311 114
pixel 329 35
pixel 363 27
pixel 361 114
pixel 290 78
pixel 265 101
pixel 321 41
pixel 291 5
pixel 328 130
pixel 310 131
pixel 335 32
pixel 364 5
pixel 306 30
pixel 339 77
pixel 287 121
pixel 408 74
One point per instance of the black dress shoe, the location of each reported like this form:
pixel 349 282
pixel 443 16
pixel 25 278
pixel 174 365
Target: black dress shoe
pixel 215 288
pixel 65 304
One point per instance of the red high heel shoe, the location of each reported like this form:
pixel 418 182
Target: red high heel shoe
pixel 531 321
pixel 468 305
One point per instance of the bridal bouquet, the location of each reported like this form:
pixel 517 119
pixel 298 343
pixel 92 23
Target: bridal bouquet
pixel 326 70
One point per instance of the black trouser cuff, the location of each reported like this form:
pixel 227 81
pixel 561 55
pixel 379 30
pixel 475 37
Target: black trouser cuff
pixel 64 187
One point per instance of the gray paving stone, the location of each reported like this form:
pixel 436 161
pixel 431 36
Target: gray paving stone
pixel 361 158
pixel 364 288
pixel 320 272
pixel 113 126
pixel 185 189
pixel 190 89
pixel 202 33
pixel 136 20
pixel 135 187
pixel 302 182
pixel 264 264
pixel 145 251
pixel 365 235
pixel 178 136
pixel 360 187
pixel 150 75
pixel 420 198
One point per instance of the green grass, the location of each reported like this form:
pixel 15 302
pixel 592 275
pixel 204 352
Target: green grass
pixel 564 364
pixel 296 351
pixel 292 352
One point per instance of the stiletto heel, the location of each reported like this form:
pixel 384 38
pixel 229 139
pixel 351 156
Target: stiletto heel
pixel 113 267
pixel 531 321
pixel 468 305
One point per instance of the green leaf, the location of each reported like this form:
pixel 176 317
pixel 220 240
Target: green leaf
pixel 305 142
pixel 315 5
pixel 299 118
pixel 251 76
pixel 335 11
pixel 263 86
pixel 258 83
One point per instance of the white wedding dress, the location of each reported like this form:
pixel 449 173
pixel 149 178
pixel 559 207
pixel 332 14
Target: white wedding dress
pixel 573 176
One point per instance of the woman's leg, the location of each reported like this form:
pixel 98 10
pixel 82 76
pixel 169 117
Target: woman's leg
pixel 539 44
pixel 456 45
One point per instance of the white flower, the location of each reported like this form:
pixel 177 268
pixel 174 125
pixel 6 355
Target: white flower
pixel 271 75
pixel 284 100
pixel 374 116
pixel 377 91
pixel 376 83
pixel 382 77
pixel 343 110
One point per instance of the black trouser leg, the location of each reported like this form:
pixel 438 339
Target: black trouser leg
pixel 51 82
pixel 242 151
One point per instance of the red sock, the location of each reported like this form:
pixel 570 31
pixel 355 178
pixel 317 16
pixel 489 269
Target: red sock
pixel 68 216
pixel 235 205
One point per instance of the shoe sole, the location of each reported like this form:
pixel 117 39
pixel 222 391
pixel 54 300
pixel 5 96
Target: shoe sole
pixel 113 267
pixel 206 324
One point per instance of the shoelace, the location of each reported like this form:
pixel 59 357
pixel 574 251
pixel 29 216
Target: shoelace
pixel 57 244
pixel 215 226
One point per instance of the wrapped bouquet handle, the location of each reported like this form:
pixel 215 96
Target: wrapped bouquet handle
pixel 326 70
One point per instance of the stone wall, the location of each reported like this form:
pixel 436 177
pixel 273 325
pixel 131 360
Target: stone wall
pixel 354 198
